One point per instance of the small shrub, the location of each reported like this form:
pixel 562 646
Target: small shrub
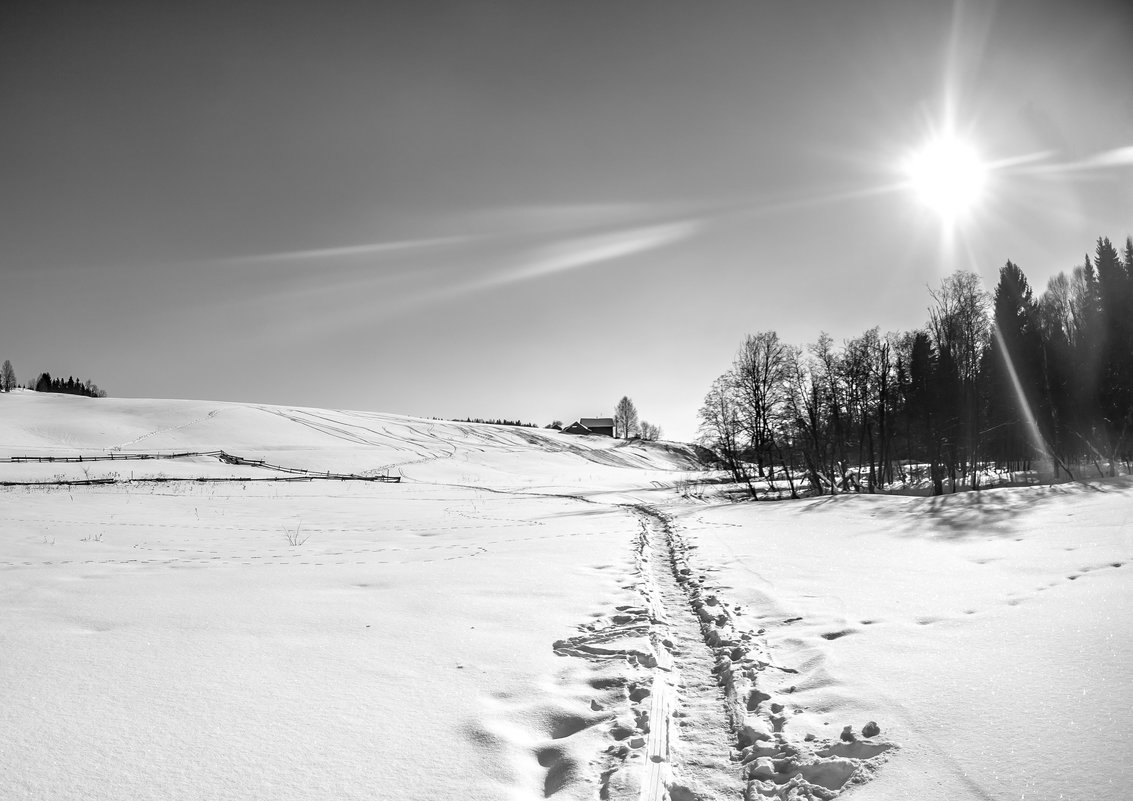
pixel 294 536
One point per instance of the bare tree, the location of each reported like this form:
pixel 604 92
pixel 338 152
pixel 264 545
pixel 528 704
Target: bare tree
pixel 650 432
pixel 760 368
pixel 721 427
pixel 867 375
pixel 828 376
pixel 805 401
pixel 625 418
pixel 960 326
pixel 7 377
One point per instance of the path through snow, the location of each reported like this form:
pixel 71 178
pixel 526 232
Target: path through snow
pixel 696 724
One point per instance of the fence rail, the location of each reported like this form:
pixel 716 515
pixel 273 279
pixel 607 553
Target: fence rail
pixel 295 473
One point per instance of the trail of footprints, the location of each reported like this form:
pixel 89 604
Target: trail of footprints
pixel 618 639
pixel 692 721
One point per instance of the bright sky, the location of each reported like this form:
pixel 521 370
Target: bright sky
pixel 525 209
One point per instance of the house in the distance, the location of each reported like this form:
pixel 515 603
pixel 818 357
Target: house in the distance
pixel 592 425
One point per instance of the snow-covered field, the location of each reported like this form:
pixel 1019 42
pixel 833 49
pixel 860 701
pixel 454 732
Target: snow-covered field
pixel 528 614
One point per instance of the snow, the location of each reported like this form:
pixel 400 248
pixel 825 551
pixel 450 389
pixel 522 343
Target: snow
pixel 987 634
pixel 529 613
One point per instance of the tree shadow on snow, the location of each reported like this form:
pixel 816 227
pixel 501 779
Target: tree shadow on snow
pixel 982 513
pixel 970 514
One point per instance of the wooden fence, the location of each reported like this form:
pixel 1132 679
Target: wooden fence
pixel 295 473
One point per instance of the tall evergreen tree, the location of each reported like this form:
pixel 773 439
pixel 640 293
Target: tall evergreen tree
pixel 925 407
pixel 1115 390
pixel 1015 387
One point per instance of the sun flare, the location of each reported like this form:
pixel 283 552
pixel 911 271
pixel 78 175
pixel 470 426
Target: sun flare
pixel 947 175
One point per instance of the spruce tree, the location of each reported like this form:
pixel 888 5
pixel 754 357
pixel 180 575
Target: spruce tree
pixel 1018 348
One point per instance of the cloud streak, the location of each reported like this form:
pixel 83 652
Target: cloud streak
pixel 543 219
pixel 347 251
pixel 1117 157
pixel 439 273
pixel 585 251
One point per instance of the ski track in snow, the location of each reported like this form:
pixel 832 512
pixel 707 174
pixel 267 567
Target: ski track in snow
pixel 693 722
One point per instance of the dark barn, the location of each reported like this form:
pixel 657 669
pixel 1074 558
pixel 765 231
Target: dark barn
pixel 603 426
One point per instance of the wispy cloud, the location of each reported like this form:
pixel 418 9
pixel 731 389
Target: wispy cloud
pixel 547 218
pixel 376 293
pixel 348 251
pixel 1117 157
pixel 584 251
pixel 517 226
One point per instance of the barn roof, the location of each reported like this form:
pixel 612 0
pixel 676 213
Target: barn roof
pixel 597 422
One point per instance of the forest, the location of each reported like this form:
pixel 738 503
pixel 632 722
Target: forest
pixel 45 383
pixel 995 384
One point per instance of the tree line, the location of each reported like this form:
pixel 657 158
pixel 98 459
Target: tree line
pixel 1003 381
pixel 495 422
pixel 45 383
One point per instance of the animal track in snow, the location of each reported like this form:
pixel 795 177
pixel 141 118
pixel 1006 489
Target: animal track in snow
pixel 208 416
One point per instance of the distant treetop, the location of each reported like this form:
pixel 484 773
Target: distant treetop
pixel 497 422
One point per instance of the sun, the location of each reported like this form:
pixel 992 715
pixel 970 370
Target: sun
pixel 947 175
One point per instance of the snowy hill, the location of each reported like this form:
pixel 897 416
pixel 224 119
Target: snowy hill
pixel 319 439
pixel 529 614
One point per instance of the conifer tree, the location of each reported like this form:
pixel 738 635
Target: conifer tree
pixel 1015 368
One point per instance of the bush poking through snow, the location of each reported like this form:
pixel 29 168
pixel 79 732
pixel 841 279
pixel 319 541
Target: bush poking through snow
pixel 689 489
pixel 294 536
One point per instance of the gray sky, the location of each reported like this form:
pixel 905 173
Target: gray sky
pixel 523 209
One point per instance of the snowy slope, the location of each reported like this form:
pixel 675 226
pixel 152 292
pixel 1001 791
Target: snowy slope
pixel 988 634
pixel 166 640
pixel 529 614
